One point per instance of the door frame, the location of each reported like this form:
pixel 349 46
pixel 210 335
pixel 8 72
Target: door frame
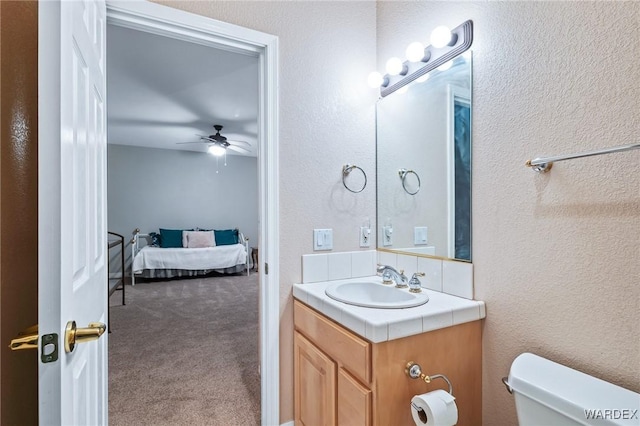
pixel 177 24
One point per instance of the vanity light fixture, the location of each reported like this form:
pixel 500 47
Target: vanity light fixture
pixel 442 36
pixel 375 79
pixel 415 52
pixel 395 66
pixel 445 46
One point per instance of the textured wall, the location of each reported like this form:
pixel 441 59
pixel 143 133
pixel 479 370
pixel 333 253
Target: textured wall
pixel 556 255
pixel 326 115
pixel 18 208
pixel 152 188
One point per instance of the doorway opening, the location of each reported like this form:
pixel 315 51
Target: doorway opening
pixel 153 19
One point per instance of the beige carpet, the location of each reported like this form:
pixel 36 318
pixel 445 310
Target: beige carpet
pixel 185 352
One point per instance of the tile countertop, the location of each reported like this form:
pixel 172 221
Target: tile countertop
pixel 379 325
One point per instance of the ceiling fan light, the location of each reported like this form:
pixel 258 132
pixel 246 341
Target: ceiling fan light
pixel 216 150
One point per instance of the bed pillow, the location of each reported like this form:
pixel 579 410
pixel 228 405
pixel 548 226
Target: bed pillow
pixel 184 236
pixel 200 239
pixel 226 237
pixel 170 238
pixel 155 239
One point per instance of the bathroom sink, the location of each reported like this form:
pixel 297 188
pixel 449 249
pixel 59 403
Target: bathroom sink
pixel 375 295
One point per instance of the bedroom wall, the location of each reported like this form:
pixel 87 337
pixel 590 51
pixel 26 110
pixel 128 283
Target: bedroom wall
pixel 150 188
pixel 327 119
pixel 555 255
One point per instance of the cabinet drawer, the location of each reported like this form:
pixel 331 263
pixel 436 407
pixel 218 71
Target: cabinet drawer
pixel 340 344
pixel 354 401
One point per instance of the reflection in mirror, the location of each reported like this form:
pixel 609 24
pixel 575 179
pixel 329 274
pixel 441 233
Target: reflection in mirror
pixel 424 165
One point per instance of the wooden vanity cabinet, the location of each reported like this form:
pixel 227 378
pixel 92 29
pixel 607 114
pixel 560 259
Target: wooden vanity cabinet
pixel 342 379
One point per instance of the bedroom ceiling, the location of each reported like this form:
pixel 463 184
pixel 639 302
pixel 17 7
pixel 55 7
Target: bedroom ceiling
pixel 161 91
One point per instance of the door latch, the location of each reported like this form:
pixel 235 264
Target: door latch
pixel 28 339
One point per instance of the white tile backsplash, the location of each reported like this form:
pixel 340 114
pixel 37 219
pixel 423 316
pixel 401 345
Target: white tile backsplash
pixel 386 258
pixel 432 269
pixel 457 279
pixel 339 266
pixel 363 263
pixel 315 268
pixel 409 264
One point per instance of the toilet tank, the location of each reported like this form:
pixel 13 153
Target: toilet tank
pixel 547 393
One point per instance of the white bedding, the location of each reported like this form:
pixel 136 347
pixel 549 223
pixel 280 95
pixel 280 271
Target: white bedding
pixel 218 257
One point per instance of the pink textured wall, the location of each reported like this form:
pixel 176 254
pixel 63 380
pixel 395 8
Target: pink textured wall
pixel 556 256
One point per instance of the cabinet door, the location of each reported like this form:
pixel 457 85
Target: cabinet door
pixel 315 385
pixel 354 401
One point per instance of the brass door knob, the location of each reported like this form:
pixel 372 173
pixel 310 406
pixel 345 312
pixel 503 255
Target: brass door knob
pixel 75 335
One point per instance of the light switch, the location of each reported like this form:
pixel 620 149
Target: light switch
pixel 420 235
pixel 323 239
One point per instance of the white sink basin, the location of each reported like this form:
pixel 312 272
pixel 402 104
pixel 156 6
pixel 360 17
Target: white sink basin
pixel 375 295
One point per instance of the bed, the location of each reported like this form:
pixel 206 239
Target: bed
pixel 159 262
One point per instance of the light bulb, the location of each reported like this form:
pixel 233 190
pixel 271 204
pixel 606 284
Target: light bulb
pixel 440 36
pixel 375 80
pixel 217 150
pixel 415 51
pixel 422 79
pixel 394 66
pixel 403 89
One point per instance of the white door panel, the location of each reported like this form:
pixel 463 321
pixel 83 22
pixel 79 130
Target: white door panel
pixel 72 209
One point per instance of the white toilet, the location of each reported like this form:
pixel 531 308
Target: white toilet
pixel 550 394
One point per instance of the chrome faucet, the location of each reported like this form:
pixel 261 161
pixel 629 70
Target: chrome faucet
pixel 390 275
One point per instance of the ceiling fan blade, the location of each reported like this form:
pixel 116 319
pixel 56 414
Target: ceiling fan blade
pixel 240 143
pixel 239 149
pixel 184 143
pixel 204 137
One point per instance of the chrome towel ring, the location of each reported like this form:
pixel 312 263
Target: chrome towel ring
pixel 348 168
pixel 403 173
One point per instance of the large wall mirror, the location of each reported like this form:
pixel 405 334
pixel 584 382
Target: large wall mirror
pixel 424 165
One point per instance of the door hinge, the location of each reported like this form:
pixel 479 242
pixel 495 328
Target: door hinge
pixel 49 348
pixel 266 268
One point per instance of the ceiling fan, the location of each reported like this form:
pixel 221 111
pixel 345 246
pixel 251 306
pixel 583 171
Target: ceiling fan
pixel 218 144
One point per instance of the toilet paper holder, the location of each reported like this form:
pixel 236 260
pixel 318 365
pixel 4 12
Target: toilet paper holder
pixel 414 371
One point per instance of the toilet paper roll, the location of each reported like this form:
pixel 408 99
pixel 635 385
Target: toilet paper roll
pixel 437 408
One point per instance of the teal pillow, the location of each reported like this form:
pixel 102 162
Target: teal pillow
pixel 226 237
pixel 170 238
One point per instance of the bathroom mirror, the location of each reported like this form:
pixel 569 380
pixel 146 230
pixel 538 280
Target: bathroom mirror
pixel 424 165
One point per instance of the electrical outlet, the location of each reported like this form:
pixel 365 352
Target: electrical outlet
pixel 387 235
pixel 365 236
pixel 323 239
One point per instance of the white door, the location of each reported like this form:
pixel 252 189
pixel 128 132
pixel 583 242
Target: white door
pixel 72 263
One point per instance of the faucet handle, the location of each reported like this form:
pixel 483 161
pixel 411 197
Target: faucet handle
pixel 415 286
